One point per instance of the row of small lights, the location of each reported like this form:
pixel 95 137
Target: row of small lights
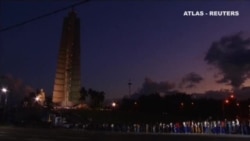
pixel 114 104
pixel 226 101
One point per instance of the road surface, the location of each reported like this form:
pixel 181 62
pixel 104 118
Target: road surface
pixel 44 134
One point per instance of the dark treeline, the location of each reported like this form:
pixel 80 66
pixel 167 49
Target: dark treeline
pixel 147 108
pixel 181 106
pixel 93 98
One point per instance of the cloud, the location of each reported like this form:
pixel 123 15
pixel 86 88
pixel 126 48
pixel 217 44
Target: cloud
pixel 231 56
pixel 190 80
pixel 149 86
pixel 243 93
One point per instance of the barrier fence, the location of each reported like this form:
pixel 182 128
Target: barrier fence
pixel 188 127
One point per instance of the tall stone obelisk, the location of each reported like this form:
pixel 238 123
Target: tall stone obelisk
pixel 67 84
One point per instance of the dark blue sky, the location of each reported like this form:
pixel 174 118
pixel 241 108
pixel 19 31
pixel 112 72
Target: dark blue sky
pixel 119 41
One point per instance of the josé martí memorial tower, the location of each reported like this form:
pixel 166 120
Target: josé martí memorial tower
pixel 67 83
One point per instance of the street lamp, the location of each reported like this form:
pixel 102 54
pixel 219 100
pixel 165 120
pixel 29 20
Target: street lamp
pixel 237 104
pixel 249 112
pixel 37 98
pixel 182 104
pixel 224 102
pixel 232 96
pixel 113 104
pixel 5 90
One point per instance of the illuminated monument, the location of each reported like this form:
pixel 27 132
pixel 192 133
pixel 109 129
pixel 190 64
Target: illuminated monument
pixel 67 84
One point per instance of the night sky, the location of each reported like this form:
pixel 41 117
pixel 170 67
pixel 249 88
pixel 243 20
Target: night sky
pixel 121 41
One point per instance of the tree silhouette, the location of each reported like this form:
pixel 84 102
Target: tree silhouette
pixel 28 101
pixel 48 102
pixel 96 98
pixel 83 94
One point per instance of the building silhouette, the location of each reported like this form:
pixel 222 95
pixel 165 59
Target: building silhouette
pixel 67 83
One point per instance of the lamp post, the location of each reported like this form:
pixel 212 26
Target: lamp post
pixel 4 90
pixel 249 113
pixel 224 102
pixel 233 106
pixel 113 104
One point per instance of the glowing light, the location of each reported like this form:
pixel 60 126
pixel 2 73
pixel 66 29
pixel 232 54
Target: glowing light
pixel 37 98
pixel 182 104
pixel 4 90
pixel 113 104
pixel 226 101
pixel 238 104
pixel 231 96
